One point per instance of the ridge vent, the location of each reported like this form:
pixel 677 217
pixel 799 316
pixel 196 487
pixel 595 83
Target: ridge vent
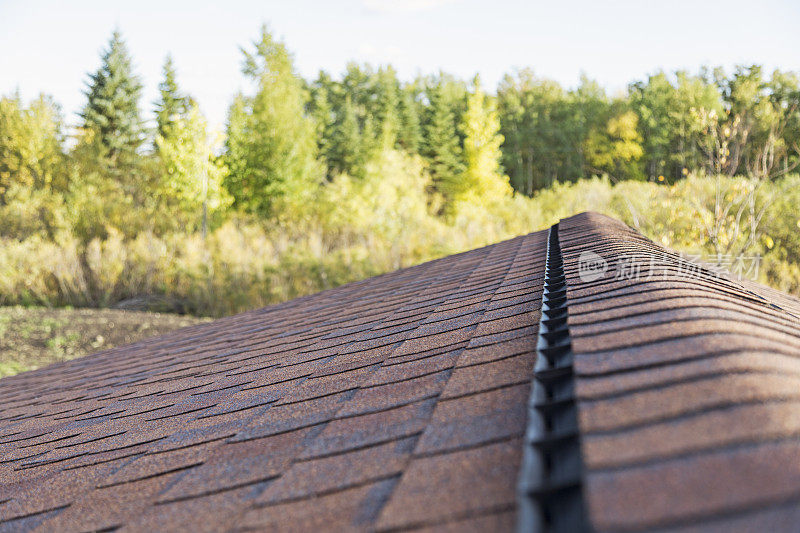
pixel 549 491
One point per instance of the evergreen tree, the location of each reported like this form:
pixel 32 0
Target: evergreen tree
pixel 111 115
pixel 409 137
pixel 271 142
pixel 364 89
pixel 362 118
pixel 349 152
pixel 442 148
pixel 172 104
pixel 321 110
pixel 387 107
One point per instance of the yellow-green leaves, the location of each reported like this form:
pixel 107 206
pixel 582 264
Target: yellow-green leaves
pixel 482 183
pixel 192 173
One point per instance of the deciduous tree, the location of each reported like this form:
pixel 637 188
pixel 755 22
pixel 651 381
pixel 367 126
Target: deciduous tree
pixel 483 181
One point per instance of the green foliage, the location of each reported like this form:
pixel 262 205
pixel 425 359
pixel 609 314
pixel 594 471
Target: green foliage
pixel 28 212
pixel 616 148
pixel 387 203
pixel 11 368
pixel 366 226
pixel 104 194
pixel 357 117
pixel 482 182
pixel 349 154
pixel 667 123
pixel 110 183
pixel 544 129
pixel 387 104
pixel 192 182
pixel 321 110
pixel 409 137
pixel 31 156
pixel 172 104
pixel 271 145
pixel 111 115
pixel 442 147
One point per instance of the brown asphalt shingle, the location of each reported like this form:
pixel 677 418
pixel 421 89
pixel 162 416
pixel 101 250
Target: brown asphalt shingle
pixel 374 405
pixel 401 402
pixel 688 387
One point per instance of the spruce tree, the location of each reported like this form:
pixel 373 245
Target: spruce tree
pixel 363 87
pixel 325 108
pixel 442 148
pixel 111 114
pixel 348 154
pixel 409 137
pixel 387 103
pixel 172 104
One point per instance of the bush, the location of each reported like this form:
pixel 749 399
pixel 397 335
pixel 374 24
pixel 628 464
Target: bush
pixel 361 227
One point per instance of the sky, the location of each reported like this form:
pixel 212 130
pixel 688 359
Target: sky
pixel 50 46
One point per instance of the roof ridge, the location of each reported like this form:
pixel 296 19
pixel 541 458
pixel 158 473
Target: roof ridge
pixel 550 488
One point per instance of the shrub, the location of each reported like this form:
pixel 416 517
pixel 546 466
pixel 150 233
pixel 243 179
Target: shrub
pixel 365 226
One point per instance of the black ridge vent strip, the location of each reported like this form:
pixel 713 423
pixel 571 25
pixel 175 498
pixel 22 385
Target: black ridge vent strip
pixel 550 492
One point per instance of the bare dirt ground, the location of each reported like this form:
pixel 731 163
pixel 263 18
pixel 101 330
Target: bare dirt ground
pixel 35 337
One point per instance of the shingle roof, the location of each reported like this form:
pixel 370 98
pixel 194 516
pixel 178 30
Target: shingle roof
pixel 402 402
pixel 688 389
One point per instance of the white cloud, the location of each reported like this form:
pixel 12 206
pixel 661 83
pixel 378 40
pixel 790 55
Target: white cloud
pixel 403 6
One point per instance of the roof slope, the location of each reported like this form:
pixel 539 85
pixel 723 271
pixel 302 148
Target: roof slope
pixel 383 400
pixel 401 402
pixel 688 387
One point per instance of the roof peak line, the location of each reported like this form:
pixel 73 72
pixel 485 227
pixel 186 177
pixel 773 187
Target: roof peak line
pixel 550 487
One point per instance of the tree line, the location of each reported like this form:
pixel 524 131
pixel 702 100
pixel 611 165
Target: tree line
pixel 287 138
